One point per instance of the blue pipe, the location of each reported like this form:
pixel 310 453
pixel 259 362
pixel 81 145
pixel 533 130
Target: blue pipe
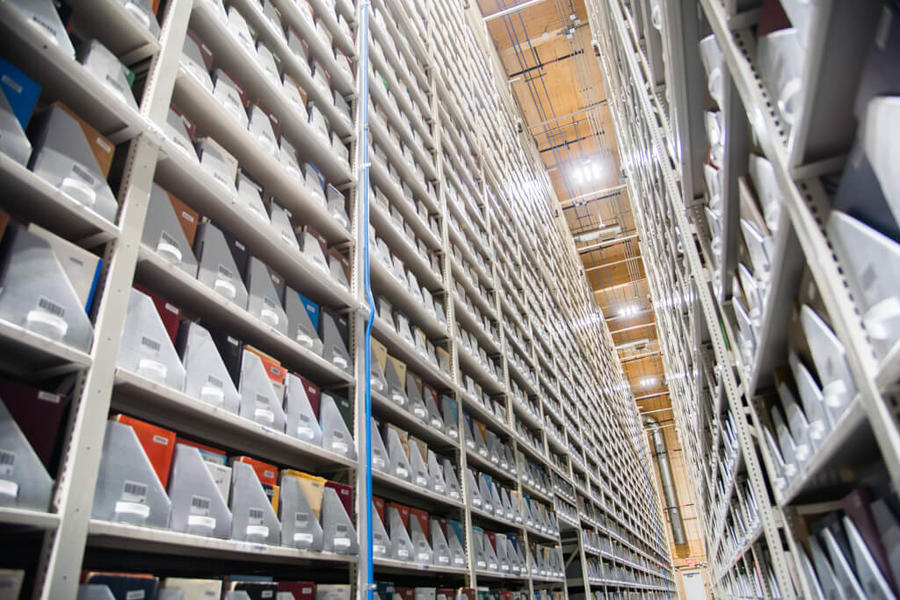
pixel 367 284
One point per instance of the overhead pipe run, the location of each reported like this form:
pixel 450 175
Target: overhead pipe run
pixel 665 477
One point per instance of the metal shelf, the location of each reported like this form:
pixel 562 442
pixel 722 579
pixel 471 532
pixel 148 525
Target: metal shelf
pixel 25 519
pixel 197 298
pixel 400 348
pixel 384 284
pixel 399 567
pixel 32 356
pixel 399 416
pixel 132 538
pixel 410 492
pixel 188 415
pixel 32 198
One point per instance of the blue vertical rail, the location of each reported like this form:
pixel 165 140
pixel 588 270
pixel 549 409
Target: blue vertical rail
pixel 363 99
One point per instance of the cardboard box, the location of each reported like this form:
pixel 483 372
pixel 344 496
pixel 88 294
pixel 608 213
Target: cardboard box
pixel 313 488
pixel 168 312
pixel 422 517
pixel 379 507
pixel 158 444
pixel 21 92
pixel 187 217
pixel 300 590
pixel 274 370
pixel 194 589
pixel 404 512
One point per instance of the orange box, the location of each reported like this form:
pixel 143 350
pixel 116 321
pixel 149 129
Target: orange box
pixel 313 488
pixel 187 217
pixel 267 474
pixel 275 371
pixel 158 443
pixel 102 148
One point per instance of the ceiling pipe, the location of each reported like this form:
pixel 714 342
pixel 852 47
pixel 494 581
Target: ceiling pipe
pixel 665 477
pixel 510 10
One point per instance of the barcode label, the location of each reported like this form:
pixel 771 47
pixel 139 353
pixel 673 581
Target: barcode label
pixel 200 505
pixel 268 302
pixel 50 306
pixel 45 26
pixel 134 491
pixel 341 530
pixel 256 516
pixel 301 520
pixel 83 174
pixel 225 272
pixel 262 399
pixel 150 343
pixel 7 462
pixel 215 381
pixel 164 236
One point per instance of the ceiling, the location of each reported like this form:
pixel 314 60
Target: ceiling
pixel 545 48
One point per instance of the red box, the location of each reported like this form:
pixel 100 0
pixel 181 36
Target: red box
pixel 158 443
pixel 301 590
pixel 267 474
pixel 493 539
pixel 345 493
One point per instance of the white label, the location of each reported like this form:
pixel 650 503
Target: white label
pixel 47 396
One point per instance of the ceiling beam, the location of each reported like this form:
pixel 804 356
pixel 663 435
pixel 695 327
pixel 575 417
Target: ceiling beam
pixel 571 114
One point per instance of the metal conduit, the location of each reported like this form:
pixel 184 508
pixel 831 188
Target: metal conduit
pixel 665 476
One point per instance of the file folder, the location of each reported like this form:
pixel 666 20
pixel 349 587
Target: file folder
pixel 450 478
pixel 249 194
pixel 337 206
pixel 263 299
pixel 450 413
pixel 196 58
pixel 145 347
pixel 339 268
pixel 490 556
pixel 332 592
pixel 198 506
pixel 419 537
pixel 416 404
pixel 439 545
pixel 299 522
pixel 454 533
pixel 381 543
pixel 280 218
pixel 300 416
pixel 128 489
pixel 253 518
pixel 207 377
pixel 829 357
pixel 334 329
pixel 401 544
pixel 13 141
pixel 399 462
pixel 63 157
pixel 812 399
pixel 229 95
pixel 259 401
pixel 336 436
pixel 797 423
pixel 45 21
pixel 870 262
pixel 843 570
pixel 260 126
pixel 340 535
pixel 301 327
pixel 436 474
pixel 218 163
pixel 108 70
pixel 870 577
pixel 418 469
pixel 163 232
pixel 178 134
pixel 218 269
pixel 24 481
pixel 395 375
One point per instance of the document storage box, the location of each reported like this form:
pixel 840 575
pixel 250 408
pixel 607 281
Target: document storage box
pixel 145 347
pixel 198 506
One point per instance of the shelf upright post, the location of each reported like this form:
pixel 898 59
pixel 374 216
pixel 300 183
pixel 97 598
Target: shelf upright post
pixel 63 550
pixel 361 313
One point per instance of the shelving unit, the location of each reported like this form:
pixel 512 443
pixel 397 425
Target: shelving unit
pixel 725 391
pixel 466 211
